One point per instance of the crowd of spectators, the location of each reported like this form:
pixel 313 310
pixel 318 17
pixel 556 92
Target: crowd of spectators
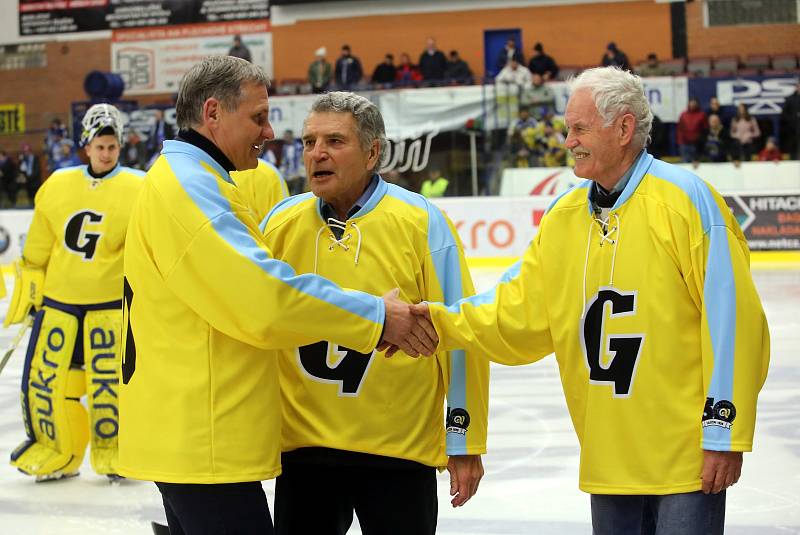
pixel 537 142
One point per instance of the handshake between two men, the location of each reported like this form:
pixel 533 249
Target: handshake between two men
pixel 407 328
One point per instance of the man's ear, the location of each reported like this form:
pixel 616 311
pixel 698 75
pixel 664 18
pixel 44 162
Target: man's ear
pixel 627 128
pixel 374 155
pixel 211 112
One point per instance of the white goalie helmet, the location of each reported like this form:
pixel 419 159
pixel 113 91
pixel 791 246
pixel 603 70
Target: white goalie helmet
pixel 99 117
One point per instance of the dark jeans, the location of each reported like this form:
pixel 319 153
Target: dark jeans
pixel 319 499
pixel 692 513
pixel 216 509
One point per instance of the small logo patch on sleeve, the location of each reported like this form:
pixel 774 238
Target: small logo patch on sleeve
pixel 457 421
pixel 720 414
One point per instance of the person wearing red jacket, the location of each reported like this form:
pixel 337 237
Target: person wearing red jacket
pixel 692 124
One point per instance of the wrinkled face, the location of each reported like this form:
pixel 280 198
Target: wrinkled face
pixel 241 133
pixel 103 153
pixel 337 167
pixel 596 147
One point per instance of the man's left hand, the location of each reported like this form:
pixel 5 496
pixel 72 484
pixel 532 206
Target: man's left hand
pixel 466 472
pixel 721 469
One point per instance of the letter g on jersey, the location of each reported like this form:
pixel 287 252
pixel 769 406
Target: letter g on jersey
pixel 76 237
pixel 624 350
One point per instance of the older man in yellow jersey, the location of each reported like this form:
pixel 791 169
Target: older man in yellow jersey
pixel 204 303
pixel 639 281
pixel 370 429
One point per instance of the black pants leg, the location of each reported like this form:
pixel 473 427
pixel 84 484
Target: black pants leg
pixel 396 502
pixel 313 499
pixel 216 509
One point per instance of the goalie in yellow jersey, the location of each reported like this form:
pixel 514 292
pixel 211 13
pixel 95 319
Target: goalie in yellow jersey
pixel 70 279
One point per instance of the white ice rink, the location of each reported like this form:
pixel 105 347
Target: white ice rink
pixel 530 486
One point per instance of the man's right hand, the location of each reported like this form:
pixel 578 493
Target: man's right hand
pixel 413 334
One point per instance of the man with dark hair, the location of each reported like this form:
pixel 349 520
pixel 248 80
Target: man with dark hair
pixel 205 303
pixel 348 71
pixel 543 64
pixel 509 52
pixel 385 72
pixel 239 49
pixel 614 57
pixel 457 70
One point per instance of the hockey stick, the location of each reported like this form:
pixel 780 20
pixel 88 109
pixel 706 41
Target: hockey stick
pixel 17 339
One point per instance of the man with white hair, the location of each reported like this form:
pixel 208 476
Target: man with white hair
pixel 639 282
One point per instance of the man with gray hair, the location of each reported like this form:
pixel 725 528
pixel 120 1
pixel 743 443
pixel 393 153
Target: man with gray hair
pixel 639 282
pixel 205 305
pixel 369 431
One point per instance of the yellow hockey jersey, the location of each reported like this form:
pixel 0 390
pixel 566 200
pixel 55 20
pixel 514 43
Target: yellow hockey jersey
pixel 204 302
pixel 340 398
pixel 657 328
pixel 262 187
pixel 78 233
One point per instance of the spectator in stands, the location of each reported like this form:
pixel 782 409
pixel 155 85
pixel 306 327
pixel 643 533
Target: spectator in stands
pixel 521 138
pixel 770 152
pixel 542 64
pixel 320 72
pixel 692 125
pixel 348 72
pixel 8 177
pixel 716 141
pixel 385 72
pixel 268 153
pixel 239 50
pixel 551 147
pixel 407 73
pixel 539 97
pixel 134 152
pixel 31 168
pixel 457 71
pixel 435 185
pixel 614 57
pixel 68 157
pixel 516 77
pixel 509 52
pixel 160 131
pixel 292 167
pixel 790 124
pixel 652 67
pixel 432 63
pixel 744 132
pixel 54 135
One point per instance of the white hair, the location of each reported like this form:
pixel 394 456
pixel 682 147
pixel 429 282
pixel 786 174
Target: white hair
pixel 616 92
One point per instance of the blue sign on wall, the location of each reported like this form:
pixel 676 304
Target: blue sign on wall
pixel 763 95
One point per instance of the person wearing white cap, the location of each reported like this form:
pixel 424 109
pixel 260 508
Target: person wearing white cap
pixel 320 71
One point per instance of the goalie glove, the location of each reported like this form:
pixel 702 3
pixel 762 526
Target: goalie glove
pixel 27 296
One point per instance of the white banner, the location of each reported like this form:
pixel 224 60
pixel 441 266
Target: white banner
pixel 14 226
pixel 494 226
pixel 153 60
pixel 748 177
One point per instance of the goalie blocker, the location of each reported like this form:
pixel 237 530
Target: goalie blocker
pixel 53 381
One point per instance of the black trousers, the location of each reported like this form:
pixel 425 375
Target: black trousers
pixel 319 499
pixel 216 509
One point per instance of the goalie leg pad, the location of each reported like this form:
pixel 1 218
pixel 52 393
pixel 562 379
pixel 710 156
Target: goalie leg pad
pixel 55 421
pixel 101 346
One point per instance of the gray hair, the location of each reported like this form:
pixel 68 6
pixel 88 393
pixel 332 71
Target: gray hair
pixel 616 92
pixel 220 77
pixel 369 121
